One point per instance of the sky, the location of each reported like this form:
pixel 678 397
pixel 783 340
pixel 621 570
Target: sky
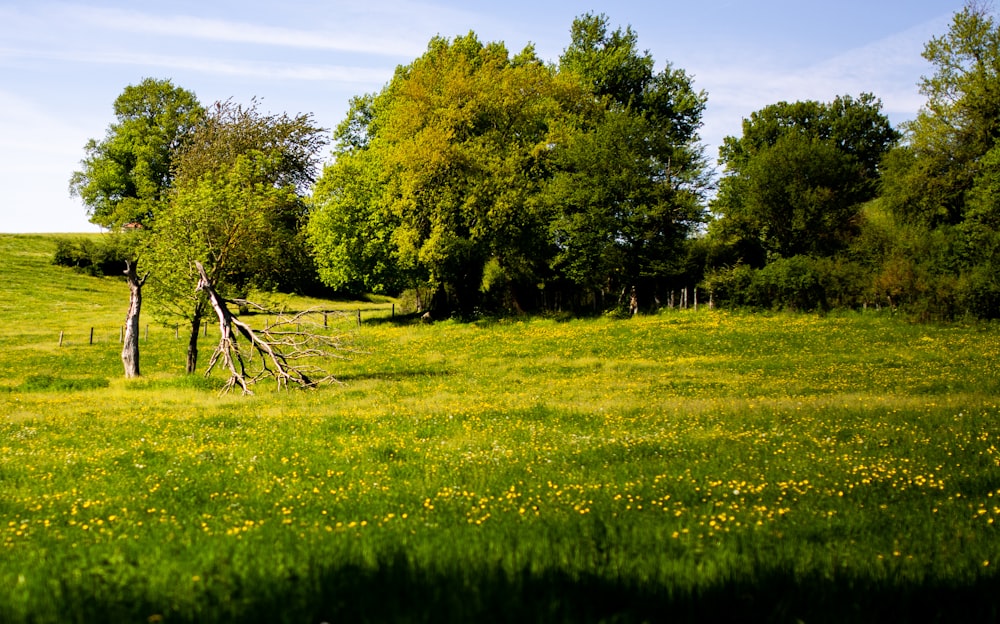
pixel 62 64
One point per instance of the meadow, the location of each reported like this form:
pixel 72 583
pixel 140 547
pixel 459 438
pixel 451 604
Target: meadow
pixel 685 466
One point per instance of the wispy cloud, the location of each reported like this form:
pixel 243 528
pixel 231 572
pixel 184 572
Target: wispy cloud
pixel 223 67
pixel 889 68
pixel 345 39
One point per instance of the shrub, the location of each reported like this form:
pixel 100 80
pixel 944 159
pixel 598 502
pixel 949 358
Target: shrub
pixel 796 283
pixel 92 257
pixel 979 292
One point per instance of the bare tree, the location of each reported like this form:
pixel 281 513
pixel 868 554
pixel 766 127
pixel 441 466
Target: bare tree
pixel 130 341
pixel 285 350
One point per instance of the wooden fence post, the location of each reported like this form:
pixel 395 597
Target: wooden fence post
pixel 60 338
pixel 91 335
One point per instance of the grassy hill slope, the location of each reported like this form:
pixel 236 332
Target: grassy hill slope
pixel 688 466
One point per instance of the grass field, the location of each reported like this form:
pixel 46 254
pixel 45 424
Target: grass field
pixel 689 466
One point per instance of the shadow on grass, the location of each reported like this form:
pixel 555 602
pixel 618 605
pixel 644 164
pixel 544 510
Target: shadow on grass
pixel 412 318
pixel 51 383
pixel 397 592
pixel 398 375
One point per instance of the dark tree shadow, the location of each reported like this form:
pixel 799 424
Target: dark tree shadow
pixel 397 592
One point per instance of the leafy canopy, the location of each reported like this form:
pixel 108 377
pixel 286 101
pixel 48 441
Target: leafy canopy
pixel 490 177
pixel 237 205
pixel 929 178
pixel 126 176
pixel 795 180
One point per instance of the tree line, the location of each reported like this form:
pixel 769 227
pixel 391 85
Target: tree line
pixel 481 181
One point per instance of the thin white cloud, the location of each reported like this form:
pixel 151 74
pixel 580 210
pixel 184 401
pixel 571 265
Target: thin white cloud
pixel 889 68
pixel 225 31
pixel 206 65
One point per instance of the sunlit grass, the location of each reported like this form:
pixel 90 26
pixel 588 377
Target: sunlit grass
pixel 684 466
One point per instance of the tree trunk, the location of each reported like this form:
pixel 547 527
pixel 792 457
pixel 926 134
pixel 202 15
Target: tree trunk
pixel 130 342
pixel 192 351
pixel 281 352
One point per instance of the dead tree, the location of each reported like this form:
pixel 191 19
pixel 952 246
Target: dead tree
pixel 284 350
pixel 130 339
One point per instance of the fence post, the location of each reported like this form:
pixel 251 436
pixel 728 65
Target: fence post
pixel 359 318
pixel 91 335
pixel 394 310
pixel 60 338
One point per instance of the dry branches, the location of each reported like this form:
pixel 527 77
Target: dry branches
pixel 287 350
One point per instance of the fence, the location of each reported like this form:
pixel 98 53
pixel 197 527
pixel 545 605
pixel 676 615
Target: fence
pixel 117 334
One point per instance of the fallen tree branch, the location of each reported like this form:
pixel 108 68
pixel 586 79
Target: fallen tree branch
pixel 287 350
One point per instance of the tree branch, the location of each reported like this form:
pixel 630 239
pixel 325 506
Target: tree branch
pixel 286 351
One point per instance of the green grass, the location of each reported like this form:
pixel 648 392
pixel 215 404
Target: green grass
pixel 688 466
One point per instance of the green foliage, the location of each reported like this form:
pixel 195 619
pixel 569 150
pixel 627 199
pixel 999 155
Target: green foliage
pixel 496 180
pixel 127 175
pixel 937 253
pixel 92 256
pixel 442 182
pixel 237 207
pixel 958 125
pixel 353 247
pixel 801 283
pixel 796 179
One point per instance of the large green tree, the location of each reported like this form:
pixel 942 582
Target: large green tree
pixel 127 175
pixel 125 178
pixel 944 179
pixel 627 183
pixel 492 178
pixel 238 207
pixel 929 177
pixel 435 177
pixel 795 181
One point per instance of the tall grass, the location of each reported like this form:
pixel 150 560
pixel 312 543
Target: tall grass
pixel 687 466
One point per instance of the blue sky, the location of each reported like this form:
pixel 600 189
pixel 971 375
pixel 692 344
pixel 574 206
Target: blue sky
pixel 62 64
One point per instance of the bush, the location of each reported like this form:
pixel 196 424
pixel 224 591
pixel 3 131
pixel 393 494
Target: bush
pixel 92 257
pixel 730 286
pixel 789 283
pixel 979 292
pixel 798 283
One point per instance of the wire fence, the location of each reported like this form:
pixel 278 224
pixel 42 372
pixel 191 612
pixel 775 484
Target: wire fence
pixel 105 334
